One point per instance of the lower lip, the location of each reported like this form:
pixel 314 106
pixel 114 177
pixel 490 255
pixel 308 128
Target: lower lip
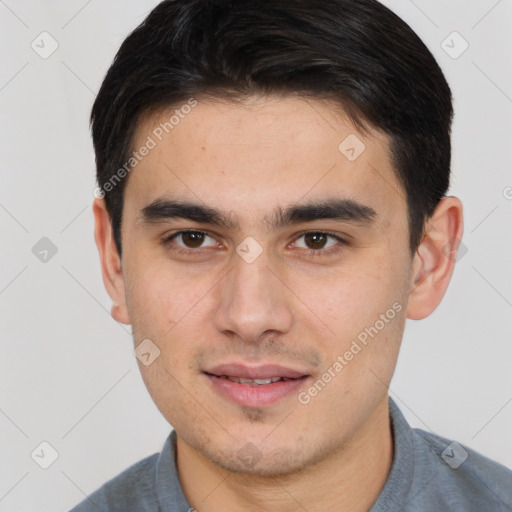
pixel 249 395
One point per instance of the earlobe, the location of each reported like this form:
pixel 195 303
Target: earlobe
pixel 120 314
pixel 434 260
pixel 110 260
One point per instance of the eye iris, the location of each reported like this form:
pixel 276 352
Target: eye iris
pixel 316 240
pixel 192 239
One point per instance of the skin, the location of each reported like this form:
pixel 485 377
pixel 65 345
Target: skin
pixel 288 307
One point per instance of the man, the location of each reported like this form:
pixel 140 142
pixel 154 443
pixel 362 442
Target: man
pixel 271 208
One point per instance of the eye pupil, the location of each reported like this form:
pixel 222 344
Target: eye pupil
pixel 192 238
pixel 316 239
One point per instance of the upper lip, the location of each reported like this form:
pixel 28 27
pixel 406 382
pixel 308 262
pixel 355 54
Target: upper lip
pixel 257 372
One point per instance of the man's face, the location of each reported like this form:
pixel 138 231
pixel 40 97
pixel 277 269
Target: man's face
pixel 293 295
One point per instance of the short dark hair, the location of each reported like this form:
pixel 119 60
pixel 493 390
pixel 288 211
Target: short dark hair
pixel 356 52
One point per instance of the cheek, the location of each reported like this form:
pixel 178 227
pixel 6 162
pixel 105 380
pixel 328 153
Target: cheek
pixel 363 298
pixel 160 295
pixel 343 296
pixel 167 305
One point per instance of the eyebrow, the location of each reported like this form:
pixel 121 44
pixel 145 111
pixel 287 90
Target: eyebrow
pixel 347 210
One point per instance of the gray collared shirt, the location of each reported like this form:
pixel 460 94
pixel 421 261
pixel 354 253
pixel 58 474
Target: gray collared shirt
pixel 429 474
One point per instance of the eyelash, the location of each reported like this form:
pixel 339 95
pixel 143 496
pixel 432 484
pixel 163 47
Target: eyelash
pixel 312 252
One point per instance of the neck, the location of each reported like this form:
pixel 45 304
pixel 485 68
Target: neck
pixel 350 478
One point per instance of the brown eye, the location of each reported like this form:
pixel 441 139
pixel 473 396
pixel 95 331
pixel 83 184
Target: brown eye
pixel 315 240
pixel 192 239
pixel 319 242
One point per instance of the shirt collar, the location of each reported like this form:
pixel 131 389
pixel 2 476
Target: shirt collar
pixel 399 481
pixel 170 493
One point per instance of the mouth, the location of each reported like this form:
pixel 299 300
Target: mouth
pixel 260 386
pixel 252 382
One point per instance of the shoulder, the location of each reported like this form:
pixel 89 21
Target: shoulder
pixel 462 478
pixel 133 489
pixel 431 473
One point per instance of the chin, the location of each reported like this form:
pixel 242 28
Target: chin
pixel 268 466
pixel 264 462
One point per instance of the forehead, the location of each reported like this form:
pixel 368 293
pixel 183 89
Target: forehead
pixel 265 152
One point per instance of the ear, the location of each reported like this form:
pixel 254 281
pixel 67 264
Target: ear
pixel 434 260
pixel 111 270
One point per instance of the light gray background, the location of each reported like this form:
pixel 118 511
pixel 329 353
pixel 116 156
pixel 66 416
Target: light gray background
pixel 68 374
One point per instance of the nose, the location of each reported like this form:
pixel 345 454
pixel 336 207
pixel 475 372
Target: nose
pixel 253 302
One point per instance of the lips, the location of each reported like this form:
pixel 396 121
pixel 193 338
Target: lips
pixel 259 386
pixel 255 375
pixel 256 387
pixel 254 382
